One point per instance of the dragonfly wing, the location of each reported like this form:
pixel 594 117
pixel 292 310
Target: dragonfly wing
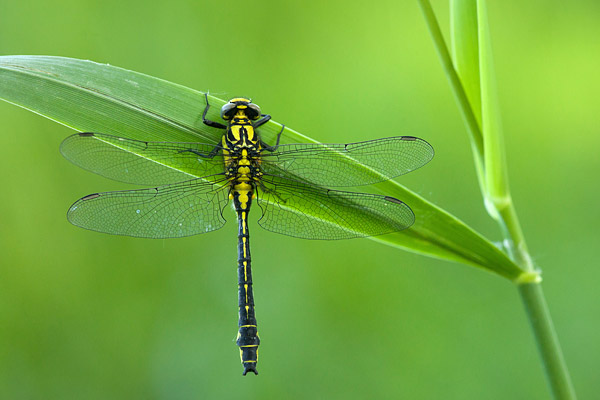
pixel 182 209
pixel 139 162
pixel 353 164
pixel 297 209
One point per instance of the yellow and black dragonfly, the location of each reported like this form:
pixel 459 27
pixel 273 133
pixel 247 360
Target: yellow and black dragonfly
pixel 192 183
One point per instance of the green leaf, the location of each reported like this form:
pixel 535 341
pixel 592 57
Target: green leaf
pixel 462 13
pixel 87 96
pixel 465 50
pixel 465 57
pixel 496 180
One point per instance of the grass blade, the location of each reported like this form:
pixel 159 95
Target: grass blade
pixel 455 83
pixel 465 57
pixel 87 96
pixel 496 180
pixel 465 50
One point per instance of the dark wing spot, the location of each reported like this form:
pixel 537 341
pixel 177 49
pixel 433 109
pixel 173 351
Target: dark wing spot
pixel 393 200
pixel 90 196
pixel 86 134
pixel 409 138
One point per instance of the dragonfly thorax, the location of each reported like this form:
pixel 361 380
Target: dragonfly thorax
pixel 241 144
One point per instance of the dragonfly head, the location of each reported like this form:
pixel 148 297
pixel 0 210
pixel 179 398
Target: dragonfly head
pixel 242 107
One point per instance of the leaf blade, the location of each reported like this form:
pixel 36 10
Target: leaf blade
pixel 87 96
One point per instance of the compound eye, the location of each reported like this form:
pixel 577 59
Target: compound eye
pixel 253 111
pixel 228 110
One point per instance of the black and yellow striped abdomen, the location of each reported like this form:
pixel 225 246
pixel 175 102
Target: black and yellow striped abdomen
pixel 247 338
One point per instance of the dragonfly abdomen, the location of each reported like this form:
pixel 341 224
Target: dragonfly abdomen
pixel 247 338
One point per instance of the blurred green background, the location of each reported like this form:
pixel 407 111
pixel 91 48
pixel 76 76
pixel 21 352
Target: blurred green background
pixel 85 315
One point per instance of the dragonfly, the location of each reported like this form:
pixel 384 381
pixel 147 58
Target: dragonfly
pixel 190 185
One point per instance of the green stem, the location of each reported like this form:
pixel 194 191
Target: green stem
pixel 457 88
pixel 459 92
pixel 529 285
pixel 547 341
pixel 512 232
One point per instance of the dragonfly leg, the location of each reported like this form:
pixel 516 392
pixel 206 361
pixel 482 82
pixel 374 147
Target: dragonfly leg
pixel 264 118
pixel 207 121
pixel 273 148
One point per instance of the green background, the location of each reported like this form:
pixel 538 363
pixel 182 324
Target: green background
pixel 88 315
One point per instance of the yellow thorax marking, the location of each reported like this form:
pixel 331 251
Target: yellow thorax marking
pixel 235 130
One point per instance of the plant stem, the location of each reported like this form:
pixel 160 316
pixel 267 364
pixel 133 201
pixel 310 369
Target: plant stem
pixel 547 341
pixel 512 232
pixel 457 88
pixel 502 209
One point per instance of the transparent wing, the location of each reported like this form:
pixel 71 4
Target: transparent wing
pixel 182 209
pixel 144 163
pixel 300 210
pixel 353 164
